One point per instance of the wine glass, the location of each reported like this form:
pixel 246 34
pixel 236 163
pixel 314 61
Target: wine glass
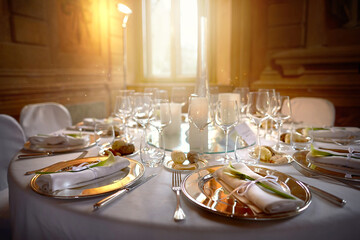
pixel 268 122
pixel 280 111
pixel 104 135
pixel 226 117
pixel 199 114
pixel 178 95
pixel 153 91
pixel 123 110
pixel 160 118
pixel 258 110
pixel 243 92
pixel 162 94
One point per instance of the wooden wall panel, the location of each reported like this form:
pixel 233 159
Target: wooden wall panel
pixel 57 50
pixel 305 56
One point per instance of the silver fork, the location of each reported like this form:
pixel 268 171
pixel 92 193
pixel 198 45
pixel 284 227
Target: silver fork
pixel 307 173
pixel 176 181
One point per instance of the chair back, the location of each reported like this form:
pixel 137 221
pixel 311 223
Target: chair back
pixel 12 139
pixel 44 118
pixel 315 112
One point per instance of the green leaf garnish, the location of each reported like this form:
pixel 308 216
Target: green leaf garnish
pixel 319 153
pixel 74 135
pixel 235 173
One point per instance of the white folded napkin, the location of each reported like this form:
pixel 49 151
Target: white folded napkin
pixel 343 163
pixel 326 145
pixel 337 133
pixel 58 181
pixel 255 197
pixel 56 141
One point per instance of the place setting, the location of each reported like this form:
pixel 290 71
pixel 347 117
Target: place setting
pixel 48 145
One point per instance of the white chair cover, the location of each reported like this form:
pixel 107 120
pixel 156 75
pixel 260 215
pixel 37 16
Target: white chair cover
pixel 315 112
pixel 12 139
pixel 44 118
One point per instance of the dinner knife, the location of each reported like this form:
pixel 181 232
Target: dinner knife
pixel 326 195
pixel 120 193
pixel 82 155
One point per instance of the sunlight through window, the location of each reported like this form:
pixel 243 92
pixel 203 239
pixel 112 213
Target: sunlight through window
pixel 170 39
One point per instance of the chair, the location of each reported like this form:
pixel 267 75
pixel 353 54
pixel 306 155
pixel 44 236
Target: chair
pixel 316 112
pixel 44 118
pixel 12 139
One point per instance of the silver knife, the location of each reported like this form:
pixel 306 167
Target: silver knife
pixel 120 193
pixel 326 195
pixel 35 155
pixel 82 155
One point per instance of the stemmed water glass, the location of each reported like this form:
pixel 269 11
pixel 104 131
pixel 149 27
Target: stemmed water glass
pixel 268 123
pixel 123 110
pixel 178 95
pixel 258 111
pixel 104 135
pixel 243 92
pixel 160 118
pixel 199 114
pixel 280 111
pixel 226 117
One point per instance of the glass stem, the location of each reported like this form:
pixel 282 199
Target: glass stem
pixel 278 133
pixel 258 142
pixel 201 144
pixel 226 142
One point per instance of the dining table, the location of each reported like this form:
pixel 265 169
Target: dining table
pixel 147 211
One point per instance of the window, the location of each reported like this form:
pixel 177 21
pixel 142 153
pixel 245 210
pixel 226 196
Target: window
pixel 170 39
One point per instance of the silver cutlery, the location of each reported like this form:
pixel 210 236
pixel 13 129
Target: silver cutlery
pixel 36 155
pixel 82 155
pixel 176 181
pixel 325 195
pixel 307 173
pixel 120 193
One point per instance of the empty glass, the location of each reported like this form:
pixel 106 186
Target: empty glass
pixel 104 135
pixel 243 92
pixel 258 110
pixel 123 110
pixel 178 95
pixel 226 117
pixel 161 118
pixel 199 114
pixel 279 113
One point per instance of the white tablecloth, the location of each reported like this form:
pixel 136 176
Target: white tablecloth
pixel 147 212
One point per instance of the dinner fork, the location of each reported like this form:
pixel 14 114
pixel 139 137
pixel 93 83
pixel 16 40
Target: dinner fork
pixel 176 181
pixel 307 173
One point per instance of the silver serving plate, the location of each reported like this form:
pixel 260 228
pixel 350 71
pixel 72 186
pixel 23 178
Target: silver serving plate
pixel 204 191
pixel 96 187
pixel 300 158
pixel 58 149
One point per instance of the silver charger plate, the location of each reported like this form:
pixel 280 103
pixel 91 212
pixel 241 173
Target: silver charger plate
pixel 205 192
pixel 96 187
pixel 300 158
pixel 58 149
